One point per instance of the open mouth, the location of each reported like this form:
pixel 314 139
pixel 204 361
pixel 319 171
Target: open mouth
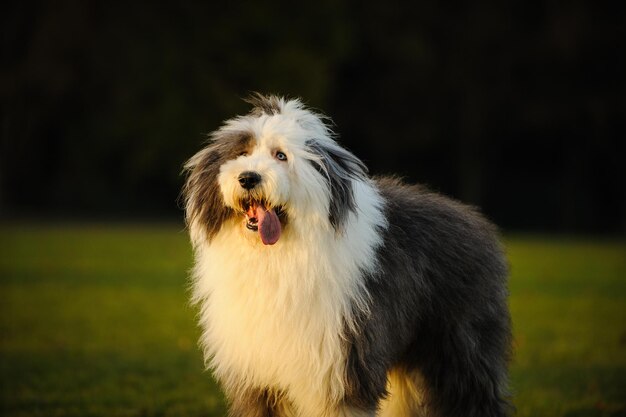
pixel 264 219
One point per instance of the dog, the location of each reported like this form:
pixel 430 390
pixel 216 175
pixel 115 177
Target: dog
pixel 325 292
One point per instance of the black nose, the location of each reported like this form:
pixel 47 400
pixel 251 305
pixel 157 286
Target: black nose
pixel 249 179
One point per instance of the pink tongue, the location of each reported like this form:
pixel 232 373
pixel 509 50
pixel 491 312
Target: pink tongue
pixel 269 225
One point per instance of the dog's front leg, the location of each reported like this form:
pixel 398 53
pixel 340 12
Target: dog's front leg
pixel 253 402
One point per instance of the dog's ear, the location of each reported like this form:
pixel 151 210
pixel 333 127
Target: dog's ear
pixel 205 211
pixel 340 168
pixel 204 206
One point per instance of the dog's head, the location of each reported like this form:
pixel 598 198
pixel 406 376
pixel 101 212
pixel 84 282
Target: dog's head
pixel 268 170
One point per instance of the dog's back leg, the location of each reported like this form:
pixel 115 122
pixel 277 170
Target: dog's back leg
pixel 406 395
pixel 465 371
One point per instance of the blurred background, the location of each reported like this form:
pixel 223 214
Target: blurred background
pixel 516 107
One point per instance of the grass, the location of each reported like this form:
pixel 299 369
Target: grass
pixel 94 321
pixel 569 316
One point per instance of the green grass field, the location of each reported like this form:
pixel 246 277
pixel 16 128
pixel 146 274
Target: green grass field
pixel 94 321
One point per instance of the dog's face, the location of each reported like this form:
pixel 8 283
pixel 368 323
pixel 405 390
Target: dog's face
pixel 267 171
pixel 256 181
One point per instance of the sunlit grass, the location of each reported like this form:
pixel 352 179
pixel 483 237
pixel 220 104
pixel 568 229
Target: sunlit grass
pixel 94 321
pixel 569 315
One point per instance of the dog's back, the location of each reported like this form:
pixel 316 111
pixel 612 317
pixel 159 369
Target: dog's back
pixel 439 314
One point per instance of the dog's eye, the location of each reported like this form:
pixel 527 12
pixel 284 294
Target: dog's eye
pixel 244 153
pixel 281 156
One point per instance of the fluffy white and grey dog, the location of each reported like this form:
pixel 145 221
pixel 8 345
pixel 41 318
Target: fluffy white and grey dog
pixel 325 292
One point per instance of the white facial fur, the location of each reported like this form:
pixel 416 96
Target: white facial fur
pixel 293 184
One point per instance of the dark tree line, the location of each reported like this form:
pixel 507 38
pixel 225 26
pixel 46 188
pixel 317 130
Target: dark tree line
pixel 518 107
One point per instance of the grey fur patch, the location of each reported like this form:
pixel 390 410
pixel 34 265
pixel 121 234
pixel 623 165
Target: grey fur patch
pixel 438 306
pixel 263 104
pixel 340 167
pixel 201 191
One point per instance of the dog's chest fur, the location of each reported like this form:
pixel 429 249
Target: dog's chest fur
pixel 272 315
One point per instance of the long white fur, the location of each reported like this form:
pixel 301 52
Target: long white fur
pixel 274 316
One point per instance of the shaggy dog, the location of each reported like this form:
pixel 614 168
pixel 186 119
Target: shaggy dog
pixel 325 293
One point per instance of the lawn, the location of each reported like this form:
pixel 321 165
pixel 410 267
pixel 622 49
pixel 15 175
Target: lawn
pixel 94 321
